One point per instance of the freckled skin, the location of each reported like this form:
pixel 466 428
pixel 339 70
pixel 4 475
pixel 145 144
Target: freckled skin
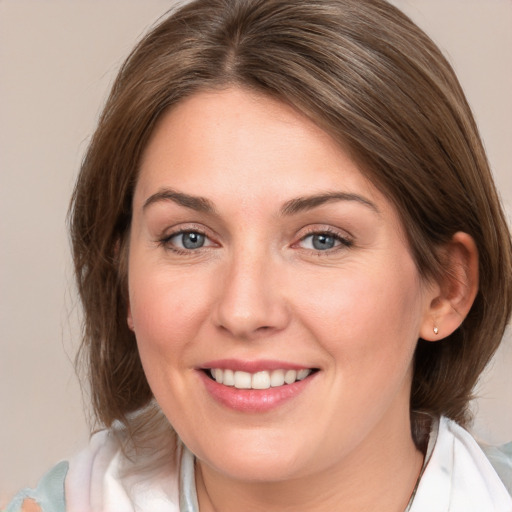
pixel 259 289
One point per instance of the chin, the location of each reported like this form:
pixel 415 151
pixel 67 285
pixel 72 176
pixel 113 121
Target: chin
pixel 258 469
pixel 259 460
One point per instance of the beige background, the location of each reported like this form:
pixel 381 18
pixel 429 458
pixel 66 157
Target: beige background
pixel 57 59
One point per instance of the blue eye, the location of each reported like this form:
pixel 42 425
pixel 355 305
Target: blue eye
pixel 188 240
pixel 323 241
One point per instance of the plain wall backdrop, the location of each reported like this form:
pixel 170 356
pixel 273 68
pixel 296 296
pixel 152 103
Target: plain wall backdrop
pixel 57 60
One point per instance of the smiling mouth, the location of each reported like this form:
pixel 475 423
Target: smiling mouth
pixel 258 380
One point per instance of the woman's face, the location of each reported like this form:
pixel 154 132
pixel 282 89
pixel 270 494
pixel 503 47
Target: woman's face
pixel 260 254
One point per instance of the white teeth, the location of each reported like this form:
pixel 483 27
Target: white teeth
pixel 302 374
pixel 290 376
pixel 277 378
pixel 258 380
pixel 261 380
pixel 229 378
pixel 243 380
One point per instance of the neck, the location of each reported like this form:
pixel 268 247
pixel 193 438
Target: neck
pixel 383 471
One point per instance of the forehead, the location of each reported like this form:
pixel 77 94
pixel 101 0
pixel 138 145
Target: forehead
pixel 235 143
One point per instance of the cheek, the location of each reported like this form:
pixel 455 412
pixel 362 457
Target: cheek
pixel 167 309
pixel 372 316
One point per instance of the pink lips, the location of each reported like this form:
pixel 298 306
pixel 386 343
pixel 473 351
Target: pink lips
pixel 252 400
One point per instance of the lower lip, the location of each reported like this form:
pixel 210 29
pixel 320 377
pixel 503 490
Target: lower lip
pixel 254 400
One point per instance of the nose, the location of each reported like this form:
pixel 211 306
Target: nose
pixel 251 304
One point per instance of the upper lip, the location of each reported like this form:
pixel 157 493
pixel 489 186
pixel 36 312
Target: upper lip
pixel 253 366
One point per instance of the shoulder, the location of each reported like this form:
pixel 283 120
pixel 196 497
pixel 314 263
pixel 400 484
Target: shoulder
pixel 47 496
pixel 101 477
pixel 500 458
pixel 459 476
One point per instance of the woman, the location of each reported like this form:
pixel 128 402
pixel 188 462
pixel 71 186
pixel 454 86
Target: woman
pixel 294 267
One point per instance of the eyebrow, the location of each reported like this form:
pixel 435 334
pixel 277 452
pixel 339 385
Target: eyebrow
pixel 301 204
pixel 200 204
pixel 292 207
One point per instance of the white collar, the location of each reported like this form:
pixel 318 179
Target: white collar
pixel 458 477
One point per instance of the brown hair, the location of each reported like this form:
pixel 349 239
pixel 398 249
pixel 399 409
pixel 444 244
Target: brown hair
pixel 373 80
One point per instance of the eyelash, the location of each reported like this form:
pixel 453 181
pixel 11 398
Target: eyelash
pixel 344 241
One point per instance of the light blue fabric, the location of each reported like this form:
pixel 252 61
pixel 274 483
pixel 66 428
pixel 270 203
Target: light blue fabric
pixel 49 493
pixel 501 459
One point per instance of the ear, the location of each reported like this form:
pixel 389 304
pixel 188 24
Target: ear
pixel 455 291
